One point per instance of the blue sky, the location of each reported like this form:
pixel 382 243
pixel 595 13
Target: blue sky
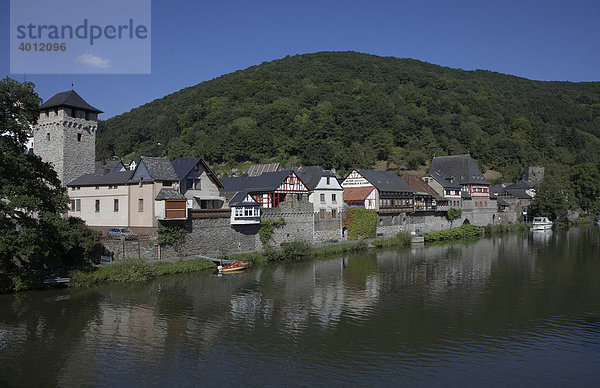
pixel 194 41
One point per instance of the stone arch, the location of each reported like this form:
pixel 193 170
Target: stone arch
pixel 345 232
pixel 466 222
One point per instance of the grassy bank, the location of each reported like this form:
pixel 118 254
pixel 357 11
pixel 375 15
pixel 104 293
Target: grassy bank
pixel 465 231
pixel 133 270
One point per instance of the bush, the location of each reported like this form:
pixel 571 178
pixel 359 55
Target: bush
pixel 265 232
pixel 465 231
pixel 361 223
pixel 172 235
pixel 402 239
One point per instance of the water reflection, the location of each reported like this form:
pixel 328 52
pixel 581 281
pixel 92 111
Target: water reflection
pixel 419 312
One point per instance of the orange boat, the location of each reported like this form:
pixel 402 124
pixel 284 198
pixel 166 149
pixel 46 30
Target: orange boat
pixel 236 266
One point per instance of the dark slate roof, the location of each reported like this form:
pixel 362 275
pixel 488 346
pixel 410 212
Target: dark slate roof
pixel 268 181
pixel 462 168
pixel 521 185
pixel 165 194
pixel 517 193
pixel 385 181
pixel 445 184
pixel 311 175
pixel 258 169
pixel 239 199
pixel 69 99
pixel 183 167
pixel 113 178
pixel 502 202
pixel 496 189
pixel 160 169
pixel 107 165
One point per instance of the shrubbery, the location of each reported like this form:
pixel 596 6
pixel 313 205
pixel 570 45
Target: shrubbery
pixel 465 231
pixel 361 222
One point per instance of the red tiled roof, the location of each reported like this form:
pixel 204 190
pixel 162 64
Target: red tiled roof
pixel 418 185
pixel 357 194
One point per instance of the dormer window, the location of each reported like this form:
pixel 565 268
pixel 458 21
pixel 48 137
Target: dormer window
pixel 79 135
pixel 48 136
pixel 328 180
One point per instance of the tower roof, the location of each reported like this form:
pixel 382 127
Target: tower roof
pixel 69 99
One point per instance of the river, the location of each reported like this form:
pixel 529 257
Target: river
pixel 520 309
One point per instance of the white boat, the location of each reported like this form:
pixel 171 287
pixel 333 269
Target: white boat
pixel 541 223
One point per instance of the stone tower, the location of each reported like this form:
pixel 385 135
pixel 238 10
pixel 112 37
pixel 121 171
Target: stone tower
pixel 65 135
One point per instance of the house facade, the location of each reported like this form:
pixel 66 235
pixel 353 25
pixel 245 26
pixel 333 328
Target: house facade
pixel 326 193
pixel 392 195
pixel 425 198
pixel 198 183
pixel 269 189
pixel 462 170
pixel 447 190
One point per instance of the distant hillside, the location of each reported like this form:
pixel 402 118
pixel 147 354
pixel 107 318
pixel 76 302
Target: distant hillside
pixel 345 109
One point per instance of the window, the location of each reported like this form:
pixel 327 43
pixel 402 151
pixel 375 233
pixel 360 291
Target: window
pixel 78 205
pixel 322 198
pixel 48 136
pixel 140 205
pixel 97 205
pixel 97 187
pixel 239 212
pixel 116 205
pixel 333 213
pixel 189 183
pixel 328 180
pixel 334 198
pixel 72 205
pixel 79 137
pixel 485 203
pixel 197 185
pixel 322 213
pixel 167 184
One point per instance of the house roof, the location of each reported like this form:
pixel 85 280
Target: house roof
pixel 69 99
pixel 111 165
pixel 461 168
pixel 311 175
pixel 385 180
pixel 517 193
pixel 160 169
pixel 502 202
pixel 521 185
pixel 113 178
pixel 268 181
pixel 165 194
pixel 418 185
pixel 445 184
pixel 357 194
pixel 258 169
pixel 240 199
pixel 183 167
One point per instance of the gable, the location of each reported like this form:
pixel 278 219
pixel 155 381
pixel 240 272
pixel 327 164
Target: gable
pixel 141 172
pixel 355 179
pixel 292 184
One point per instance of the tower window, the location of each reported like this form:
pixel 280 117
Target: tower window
pixel 140 205
pixel 97 205
pixel 116 205
pixel 79 137
pixel 48 136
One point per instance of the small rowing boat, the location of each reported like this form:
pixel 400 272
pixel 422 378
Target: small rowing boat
pixel 235 266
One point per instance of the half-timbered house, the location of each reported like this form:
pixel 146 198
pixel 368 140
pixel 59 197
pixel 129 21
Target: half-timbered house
pixel 270 188
pixel 392 195
pixel 463 170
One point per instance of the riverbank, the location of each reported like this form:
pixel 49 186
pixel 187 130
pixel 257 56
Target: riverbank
pixel 132 270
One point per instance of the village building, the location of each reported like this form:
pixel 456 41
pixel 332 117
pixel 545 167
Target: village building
pixel 463 170
pixel 244 209
pixel 448 190
pixel 102 201
pixel 198 183
pixel 151 176
pixel 326 193
pixel 65 135
pixel 390 195
pixel 425 197
pixel 268 189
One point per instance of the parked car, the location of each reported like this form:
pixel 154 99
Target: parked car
pixel 121 233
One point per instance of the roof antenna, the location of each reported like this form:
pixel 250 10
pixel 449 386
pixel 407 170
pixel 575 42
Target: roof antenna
pixel 72 86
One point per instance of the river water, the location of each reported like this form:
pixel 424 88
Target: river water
pixel 519 309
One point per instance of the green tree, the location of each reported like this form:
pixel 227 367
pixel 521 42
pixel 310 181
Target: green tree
pixel 550 201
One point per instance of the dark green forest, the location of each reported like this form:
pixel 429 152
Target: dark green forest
pixel 346 110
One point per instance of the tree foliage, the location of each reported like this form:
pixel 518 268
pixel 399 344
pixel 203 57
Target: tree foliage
pixel 348 110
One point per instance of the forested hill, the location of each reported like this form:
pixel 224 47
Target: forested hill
pixel 345 109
